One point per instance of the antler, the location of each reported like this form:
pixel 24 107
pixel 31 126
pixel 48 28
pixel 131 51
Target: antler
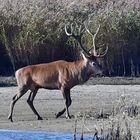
pixel 93 48
pixel 77 36
pixel 92 51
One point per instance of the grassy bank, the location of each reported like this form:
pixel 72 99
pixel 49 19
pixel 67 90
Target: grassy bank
pixel 11 81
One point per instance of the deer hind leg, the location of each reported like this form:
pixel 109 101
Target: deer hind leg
pixel 68 101
pixel 30 102
pixel 15 99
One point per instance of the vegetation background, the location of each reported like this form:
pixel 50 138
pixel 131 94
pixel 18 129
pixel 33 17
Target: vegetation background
pixel 32 32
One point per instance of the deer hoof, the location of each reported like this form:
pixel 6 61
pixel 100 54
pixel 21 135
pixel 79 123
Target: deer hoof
pixel 68 117
pixel 58 115
pixel 40 118
pixel 10 118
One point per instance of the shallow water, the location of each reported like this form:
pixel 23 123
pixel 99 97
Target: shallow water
pixel 37 135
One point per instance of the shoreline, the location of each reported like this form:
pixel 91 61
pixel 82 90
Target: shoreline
pixel 11 81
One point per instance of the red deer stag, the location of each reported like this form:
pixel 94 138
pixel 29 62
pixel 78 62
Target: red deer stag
pixel 60 74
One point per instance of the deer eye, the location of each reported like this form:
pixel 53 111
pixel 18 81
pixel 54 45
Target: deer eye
pixel 93 63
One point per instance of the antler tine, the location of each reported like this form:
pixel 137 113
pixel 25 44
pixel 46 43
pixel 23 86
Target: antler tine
pixel 81 30
pixel 87 29
pixel 68 34
pixel 104 53
pixel 94 36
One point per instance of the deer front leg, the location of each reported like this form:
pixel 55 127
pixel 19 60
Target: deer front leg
pixel 68 101
pixel 67 104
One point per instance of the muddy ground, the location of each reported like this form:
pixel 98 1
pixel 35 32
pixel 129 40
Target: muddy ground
pixel 86 99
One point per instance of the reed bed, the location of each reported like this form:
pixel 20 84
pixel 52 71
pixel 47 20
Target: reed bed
pixel 32 32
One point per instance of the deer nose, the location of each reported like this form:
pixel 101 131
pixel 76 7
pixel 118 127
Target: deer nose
pixel 100 74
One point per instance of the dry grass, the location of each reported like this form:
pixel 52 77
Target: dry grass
pixel 124 112
pixel 127 107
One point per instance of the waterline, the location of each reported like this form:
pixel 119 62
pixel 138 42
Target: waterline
pixel 37 135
